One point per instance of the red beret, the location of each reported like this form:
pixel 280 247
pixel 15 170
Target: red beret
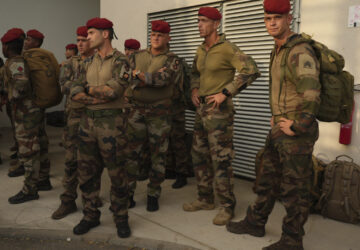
pixel 132 44
pixel 210 12
pixel 277 6
pixel 82 31
pixel 35 34
pixel 99 23
pixel 160 26
pixel 71 46
pixel 12 34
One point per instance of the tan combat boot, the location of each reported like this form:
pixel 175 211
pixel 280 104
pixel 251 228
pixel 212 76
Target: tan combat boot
pixel 198 205
pixel 64 210
pixel 224 216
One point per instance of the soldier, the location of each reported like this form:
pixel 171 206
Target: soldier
pixel 213 86
pixel 131 46
pixel 34 40
pixel 73 112
pixel 26 114
pixel 102 140
pixel 155 71
pixel 287 160
pixel 71 50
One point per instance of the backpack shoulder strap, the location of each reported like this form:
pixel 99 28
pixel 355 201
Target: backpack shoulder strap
pixel 328 184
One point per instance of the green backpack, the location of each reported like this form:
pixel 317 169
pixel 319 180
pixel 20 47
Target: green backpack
pixel 337 85
pixel 186 85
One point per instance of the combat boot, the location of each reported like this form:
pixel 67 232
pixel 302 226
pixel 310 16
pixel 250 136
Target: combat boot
pixel 84 226
pixel 283 244
pixel 223 217
pixel 180 181
pixel 152 204
pixel 44 185
pixel 132 203
pixel 21 197
pixel 170 174
pixel 19 171
pixel 123 229
pixel 64 210
pixel 244 227
pixel 198 205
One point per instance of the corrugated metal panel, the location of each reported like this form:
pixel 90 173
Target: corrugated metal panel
pixel 243 24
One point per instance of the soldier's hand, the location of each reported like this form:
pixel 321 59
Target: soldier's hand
pixel 285 125
pixel 195 97
pixel 217 99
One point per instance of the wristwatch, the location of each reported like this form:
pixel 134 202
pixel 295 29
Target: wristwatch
pixel 226 92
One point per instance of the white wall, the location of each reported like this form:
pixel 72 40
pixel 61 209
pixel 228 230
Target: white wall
pixel 327 21
pixel 57 20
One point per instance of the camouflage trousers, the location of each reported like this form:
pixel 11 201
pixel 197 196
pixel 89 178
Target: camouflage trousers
pixel 32 142
pixel 102 142
pixel 212 152
pixel 287 168
pixel 70 141
pixel 152 123
pixel 178 155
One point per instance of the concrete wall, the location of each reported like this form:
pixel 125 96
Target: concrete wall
pixel 325 19
pixel 57 20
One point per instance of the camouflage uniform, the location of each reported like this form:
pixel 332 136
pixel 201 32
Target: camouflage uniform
pixel 287 160
pixel 28 119
pixel 212 148
pixel 70 70
pixel 102 134
pixel 149 114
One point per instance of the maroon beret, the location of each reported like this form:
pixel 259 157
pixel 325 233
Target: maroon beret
pixel 82 31
pixel 277 6
pixel 160 26
pixel 35 34
pixel 132 44
pixel 99 23
pixel 210 12
pixel 71 46
pixel 12 34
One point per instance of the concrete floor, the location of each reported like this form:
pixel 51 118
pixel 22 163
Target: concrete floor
pixel 169 228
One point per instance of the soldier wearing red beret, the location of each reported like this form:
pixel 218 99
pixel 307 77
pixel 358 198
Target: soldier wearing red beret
pixel 100 86
pixel 73 111
pixel 71 50
pixel 34 39
pixel 287 158
pixel 156 71
pixel 130 46
pixel 213 86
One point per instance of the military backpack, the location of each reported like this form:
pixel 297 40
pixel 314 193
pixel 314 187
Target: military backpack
pixel 340 199
pixel 337 85
pixel 44 77
pixel 186 85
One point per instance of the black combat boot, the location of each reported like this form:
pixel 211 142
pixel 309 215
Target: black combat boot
pixel 152 204
pixel 244 227
pixel 284 245
pixel 84 226
pixel 123 229
pixel 132 203
pixel 64 210
pixel 21 197
pixel 180 181
pixel 17 172
pixel 170 174
pixel 44 185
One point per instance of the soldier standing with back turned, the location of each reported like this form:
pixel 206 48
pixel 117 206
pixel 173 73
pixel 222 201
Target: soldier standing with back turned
pixel 213 86
pixel 101 86
pixel 287 159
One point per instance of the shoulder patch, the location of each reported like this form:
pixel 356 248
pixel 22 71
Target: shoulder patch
pixel 17 68
pixel 306 65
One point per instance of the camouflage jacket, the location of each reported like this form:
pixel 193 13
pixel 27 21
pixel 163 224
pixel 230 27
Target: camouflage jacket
pixel 162 73
pixel 297 96
pixel 112 71
pixel 214 70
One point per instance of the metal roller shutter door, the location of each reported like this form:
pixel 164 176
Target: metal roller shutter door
pixel 243 24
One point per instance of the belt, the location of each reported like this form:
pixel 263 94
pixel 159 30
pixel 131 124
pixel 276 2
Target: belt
pixel 103 113
pixel 289 116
